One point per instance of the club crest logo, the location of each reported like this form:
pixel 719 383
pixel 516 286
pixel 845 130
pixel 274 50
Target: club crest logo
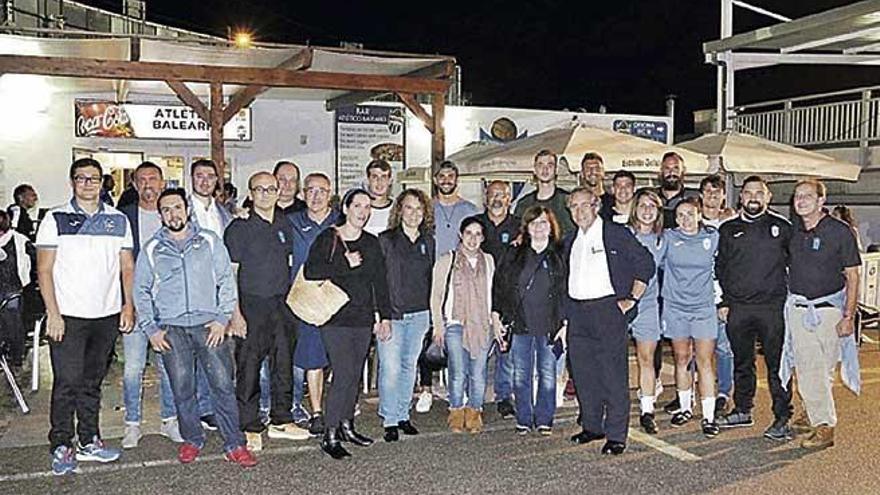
pixel 774 231
pixel 707 243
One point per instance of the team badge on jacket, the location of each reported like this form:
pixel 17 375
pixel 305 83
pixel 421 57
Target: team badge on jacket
pixel 774 231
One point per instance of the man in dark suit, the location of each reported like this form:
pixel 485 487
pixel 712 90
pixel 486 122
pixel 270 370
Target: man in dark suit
pixel 608 272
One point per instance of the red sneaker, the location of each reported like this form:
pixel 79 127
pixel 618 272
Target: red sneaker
pixel 187 453
pixel 242 456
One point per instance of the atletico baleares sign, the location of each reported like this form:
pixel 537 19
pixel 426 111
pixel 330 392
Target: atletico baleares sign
pixel 140 121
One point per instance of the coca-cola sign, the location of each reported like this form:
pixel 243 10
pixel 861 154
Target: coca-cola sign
pixel 107 119
pixel 102 119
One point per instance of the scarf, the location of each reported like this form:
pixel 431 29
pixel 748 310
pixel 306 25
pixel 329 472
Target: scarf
pixel 470 303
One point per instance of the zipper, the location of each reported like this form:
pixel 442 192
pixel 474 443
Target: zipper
pixel 185 279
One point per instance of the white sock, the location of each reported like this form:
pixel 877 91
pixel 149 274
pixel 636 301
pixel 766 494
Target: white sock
pixel 647 404
pixel 708 409
pixel 684 399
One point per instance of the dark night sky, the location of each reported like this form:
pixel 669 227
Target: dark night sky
pixel 547 54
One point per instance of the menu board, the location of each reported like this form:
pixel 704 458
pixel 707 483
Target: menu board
pixel 365 133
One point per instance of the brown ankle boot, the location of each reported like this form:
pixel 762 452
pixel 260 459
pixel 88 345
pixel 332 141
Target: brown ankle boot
pixel 822 438
pixel 473 420
pixel 456 420
pixel 800 424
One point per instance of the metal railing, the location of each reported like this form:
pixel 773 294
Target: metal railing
pixel 842 117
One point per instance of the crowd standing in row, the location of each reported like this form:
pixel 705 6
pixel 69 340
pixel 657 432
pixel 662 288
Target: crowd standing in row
pixel 563 282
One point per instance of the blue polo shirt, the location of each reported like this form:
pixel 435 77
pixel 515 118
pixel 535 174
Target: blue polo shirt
pixel 305 231
pixel 86 272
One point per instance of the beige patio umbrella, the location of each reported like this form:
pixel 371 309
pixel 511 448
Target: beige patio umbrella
pixel 743 154
pixel 619 151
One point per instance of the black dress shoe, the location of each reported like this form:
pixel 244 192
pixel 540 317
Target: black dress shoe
pixel 646 420
pixel 347 433
pixel 330 445
pixel 407 428
pixel 586 437
pixel 613 448
pixel 391 434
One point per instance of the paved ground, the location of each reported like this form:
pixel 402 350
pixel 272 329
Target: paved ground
pixel 497 461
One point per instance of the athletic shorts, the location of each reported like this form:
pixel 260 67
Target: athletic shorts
pixel 646 326
pixel 695 323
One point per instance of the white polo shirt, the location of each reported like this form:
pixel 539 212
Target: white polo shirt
pixel 588 277
pixel 86 271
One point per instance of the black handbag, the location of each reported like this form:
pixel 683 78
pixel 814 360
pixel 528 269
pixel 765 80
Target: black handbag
pixel 434 355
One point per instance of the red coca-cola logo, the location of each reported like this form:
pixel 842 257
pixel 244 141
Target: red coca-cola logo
pixel 100 119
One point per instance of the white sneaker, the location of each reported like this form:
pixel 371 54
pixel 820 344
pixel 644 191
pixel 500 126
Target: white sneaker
pixel 170 429
pixel 131 437
pixel 423 405
pixel 254 441
pixel 288 432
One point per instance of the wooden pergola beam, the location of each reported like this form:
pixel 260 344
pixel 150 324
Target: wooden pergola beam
pixel 302 60
pixel 440 70
pixel 216 120
pixel 162 71
pixel 187 96
pixel 409 101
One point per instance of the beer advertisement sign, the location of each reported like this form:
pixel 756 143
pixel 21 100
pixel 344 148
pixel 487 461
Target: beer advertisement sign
pixel 148 121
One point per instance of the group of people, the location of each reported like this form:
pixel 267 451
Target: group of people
pixel 565 281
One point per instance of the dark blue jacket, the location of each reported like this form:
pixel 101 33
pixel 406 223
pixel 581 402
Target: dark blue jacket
pixel 628 260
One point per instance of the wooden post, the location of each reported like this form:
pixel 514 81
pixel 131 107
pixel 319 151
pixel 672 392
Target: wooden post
pixel 438 138
pixel 217 129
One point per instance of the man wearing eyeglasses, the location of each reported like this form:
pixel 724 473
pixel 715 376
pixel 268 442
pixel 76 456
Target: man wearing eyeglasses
pixel 83 253
pixel 261 248
pixel 309 354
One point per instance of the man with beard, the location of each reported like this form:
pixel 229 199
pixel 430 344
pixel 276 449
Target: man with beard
pixel 287 174
pixel 672 190
pixel 623 186
pixel 547 194
pixel 500 229
pixel 143 216
pixel 449 208
pixel 379 180
pixel 751 267
pixel 593 178
pixel 185 294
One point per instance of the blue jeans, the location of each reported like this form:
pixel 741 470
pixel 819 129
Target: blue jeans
pixel 299 378
pixel 135 346
pixel 397 366
pixel 503 375
pixel 724 361
pixel 189 352
pixel 530 354
pixel 465 370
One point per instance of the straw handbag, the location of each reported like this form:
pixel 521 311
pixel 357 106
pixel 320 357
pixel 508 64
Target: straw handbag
pixel 315 301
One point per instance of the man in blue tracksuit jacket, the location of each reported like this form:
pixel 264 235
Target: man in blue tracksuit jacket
pixel 185 293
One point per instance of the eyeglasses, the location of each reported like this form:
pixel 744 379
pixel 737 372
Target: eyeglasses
pixel 84 180
pixel 265 190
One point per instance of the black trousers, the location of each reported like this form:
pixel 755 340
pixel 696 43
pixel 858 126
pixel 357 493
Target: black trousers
pixel 745 323
pixel 79 365
pixel 347 348
pixel 270 334
pixel 12 332
pixel 597 347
